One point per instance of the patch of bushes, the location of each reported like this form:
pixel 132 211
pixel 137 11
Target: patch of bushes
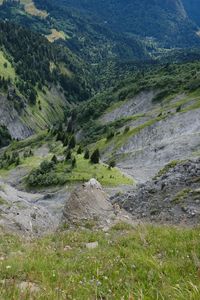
pixel 45 175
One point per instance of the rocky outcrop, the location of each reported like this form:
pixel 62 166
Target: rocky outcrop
pixel 11 118
pixel 171 197
pixel 89 202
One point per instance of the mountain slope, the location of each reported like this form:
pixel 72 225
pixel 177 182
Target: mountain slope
pixel 146 120
pixel 38 80
pixel 89 40
pixel 167 21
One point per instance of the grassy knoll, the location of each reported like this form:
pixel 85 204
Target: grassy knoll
pixel 84 171
pixel 142 263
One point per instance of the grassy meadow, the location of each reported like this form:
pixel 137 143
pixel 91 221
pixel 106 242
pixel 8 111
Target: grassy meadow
pixel 145 262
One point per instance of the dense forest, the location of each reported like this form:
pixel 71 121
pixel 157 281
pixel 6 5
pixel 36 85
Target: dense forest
pixel 165 21
pixel 37 63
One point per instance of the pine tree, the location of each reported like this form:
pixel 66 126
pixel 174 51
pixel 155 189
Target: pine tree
pixel 112 164
pixel 74 162
pixel 54 159
pixel 87 154
pixel 68 155
pixel 72 142
pixel 95 157
pixel 79 151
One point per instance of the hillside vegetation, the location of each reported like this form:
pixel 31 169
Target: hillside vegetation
pixel 144 262
pixel 165 21
pixel 89 40
pixel 58 167
pixel 167 80
pixel 39 80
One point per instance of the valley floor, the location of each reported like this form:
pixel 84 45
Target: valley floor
pixel 143 262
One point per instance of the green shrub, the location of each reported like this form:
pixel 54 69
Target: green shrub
pixel 112 164
pixel 126 129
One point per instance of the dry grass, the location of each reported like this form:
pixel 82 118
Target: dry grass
pixel 31 9
pixel 55 35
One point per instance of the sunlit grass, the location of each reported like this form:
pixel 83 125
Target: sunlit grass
pixel 142 263
pixel 85 170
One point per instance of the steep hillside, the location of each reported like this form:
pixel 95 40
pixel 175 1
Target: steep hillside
pixel 84 36
pixel 99 139
pixel 146 120
pixel 161 261
pixel 38 81
pixel 167 21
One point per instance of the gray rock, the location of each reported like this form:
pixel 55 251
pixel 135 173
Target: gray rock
pixel 92 245
pixel 171 198
pixel 89 202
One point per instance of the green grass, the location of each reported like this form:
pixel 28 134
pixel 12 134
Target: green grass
pixel 84 171
pixel 32 161
pixel 7 71
pixel 114 106
pixel 145 263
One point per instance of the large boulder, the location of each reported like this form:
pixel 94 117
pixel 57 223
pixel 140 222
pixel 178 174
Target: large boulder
pixel 89 202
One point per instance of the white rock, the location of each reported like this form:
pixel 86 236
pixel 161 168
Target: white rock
pixel 92 245
pixel 67 248
pixel 94 184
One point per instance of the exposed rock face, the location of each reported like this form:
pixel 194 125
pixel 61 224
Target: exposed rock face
pixel 89 202
pixel 12 120
pixel 20 214
pixel 176 136
pixel 23 123
pixel 173 197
